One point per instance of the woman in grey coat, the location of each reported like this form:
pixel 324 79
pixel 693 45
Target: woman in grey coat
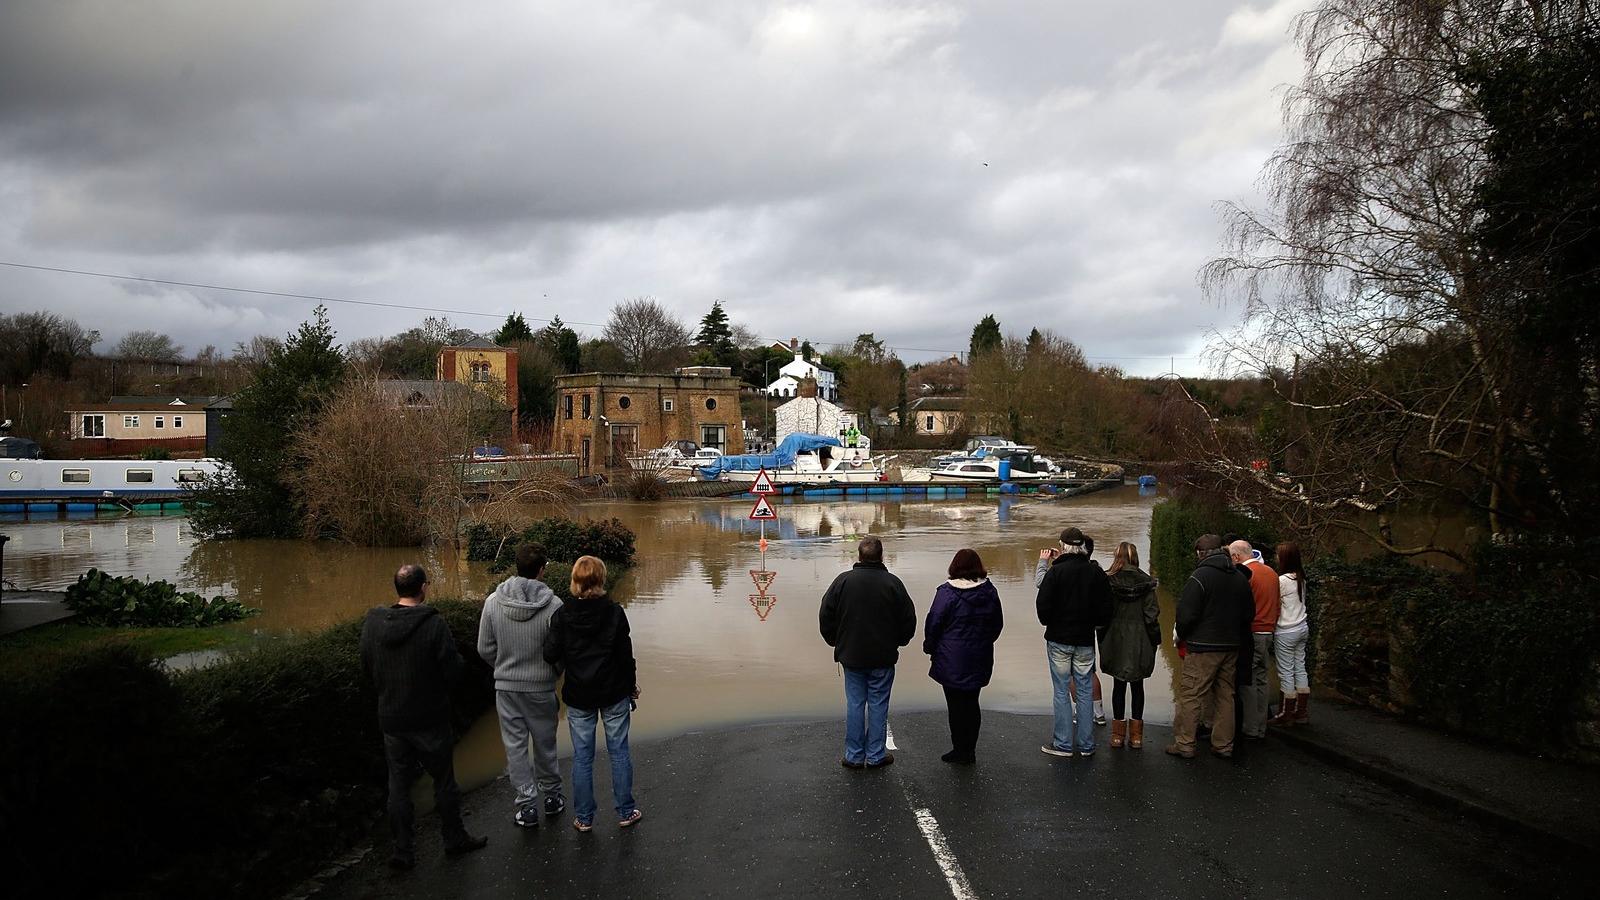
pixel 1128 644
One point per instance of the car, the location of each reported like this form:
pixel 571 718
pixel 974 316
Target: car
pixel 19 448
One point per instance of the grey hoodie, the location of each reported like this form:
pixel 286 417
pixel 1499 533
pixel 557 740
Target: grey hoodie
pixel 516 617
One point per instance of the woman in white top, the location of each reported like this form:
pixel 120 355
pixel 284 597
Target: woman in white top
pixel 1290 638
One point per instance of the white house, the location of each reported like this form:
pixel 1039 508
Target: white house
pixel 813 415
pixel 787 384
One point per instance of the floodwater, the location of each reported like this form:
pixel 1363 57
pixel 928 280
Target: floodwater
pixel 711 652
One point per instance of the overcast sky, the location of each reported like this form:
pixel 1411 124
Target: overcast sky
pixel 823 168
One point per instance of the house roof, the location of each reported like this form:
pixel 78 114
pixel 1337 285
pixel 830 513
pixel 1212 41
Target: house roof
pixel 939 404
pixel 410 391
pixel 477 343
pixel 151 404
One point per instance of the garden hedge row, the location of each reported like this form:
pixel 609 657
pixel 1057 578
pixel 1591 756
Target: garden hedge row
pixel 238 779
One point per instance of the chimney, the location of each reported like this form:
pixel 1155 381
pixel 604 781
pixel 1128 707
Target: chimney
pixel 808 388
pixel 794 345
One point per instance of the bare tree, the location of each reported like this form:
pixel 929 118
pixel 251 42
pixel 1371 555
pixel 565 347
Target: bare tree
pixel 148 346
pixel 1373 303
pixel 647 334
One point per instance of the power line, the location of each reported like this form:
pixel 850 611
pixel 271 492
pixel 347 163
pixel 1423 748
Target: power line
pixel 438 309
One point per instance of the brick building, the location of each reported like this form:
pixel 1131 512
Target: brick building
pixel 484 365
pixel 605 418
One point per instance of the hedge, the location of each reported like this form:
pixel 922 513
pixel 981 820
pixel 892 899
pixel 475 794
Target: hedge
pixel 563 540
pixel 238 779
pixel 1176 522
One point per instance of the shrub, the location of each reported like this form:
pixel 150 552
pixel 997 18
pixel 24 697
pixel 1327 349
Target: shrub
pixel 558 575
pixel 155 453
pixel 1175 523
pixel 236 779
pixel 645 485
pixel 101 599
pixel 563 540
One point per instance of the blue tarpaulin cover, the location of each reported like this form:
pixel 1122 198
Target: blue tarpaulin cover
pixel 781 457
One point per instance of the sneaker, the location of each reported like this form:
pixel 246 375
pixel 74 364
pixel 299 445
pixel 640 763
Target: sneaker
pixel 1055 751
pixel 888 760
pixel 554 805
pixel 581 825
pixel 1100 719
pixel 526 817
pixel 631 819
pixel 466 844
pixel 402 861
pixel 1085 754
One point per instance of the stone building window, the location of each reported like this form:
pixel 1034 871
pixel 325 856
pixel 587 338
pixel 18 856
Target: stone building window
pixel 623 402
pixel 711 403
pixel 667 405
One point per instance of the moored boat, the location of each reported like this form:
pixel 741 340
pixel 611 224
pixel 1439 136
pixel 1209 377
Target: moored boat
pixel 802 459
pixel 102 479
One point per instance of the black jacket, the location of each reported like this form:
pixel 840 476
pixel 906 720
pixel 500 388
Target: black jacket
pixel 866 617
pixel 1074 599
pixel 590 640
pixel 1216 607
pixel 411 657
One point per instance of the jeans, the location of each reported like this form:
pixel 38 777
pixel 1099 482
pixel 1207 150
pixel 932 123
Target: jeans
pixel 530 717
pixel 581 723
pixel 965 719
pixel 1118 689
pixel 1255 689
pixel 1290 647
pixel 866 714
pixel 1074 666
pixel 432 749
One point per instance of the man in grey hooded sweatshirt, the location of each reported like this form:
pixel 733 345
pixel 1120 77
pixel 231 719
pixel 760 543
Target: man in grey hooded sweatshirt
pixel 511 632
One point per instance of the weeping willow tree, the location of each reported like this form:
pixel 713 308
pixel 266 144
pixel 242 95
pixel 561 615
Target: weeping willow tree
pixel 1421 286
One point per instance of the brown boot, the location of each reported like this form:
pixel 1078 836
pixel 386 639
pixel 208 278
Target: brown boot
pixel 1302 709
pixel 1119 731
pixel 1285 716
pixel 1136 733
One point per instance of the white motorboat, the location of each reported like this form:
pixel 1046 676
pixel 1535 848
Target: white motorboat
pixel 985 471
pixel 840 466
pixel 691 465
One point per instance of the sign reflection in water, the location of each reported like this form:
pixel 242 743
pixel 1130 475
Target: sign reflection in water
pixel 704 660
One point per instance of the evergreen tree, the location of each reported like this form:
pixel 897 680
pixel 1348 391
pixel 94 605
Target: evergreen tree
pixel 807 351
pixel 285 397
pixel 1035 341
pixel 562 342
pixel 985 337
pixel 514 331
pixel 716 337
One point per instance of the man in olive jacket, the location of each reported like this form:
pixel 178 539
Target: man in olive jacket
pixel 866 618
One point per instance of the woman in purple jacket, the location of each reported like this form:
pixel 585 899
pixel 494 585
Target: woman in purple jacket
pixel 963 624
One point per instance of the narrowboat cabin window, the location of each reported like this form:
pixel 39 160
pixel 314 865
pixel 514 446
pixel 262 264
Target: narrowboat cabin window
pixel 177 421
pixel 161 421
pixel 141 476
pixel 190 476
pixel 74 476
pixel 94 426
pixel 130 421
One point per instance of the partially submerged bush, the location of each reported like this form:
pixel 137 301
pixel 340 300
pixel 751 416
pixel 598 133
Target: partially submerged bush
pixel 101 599
pixel 563 540
pixel 645 484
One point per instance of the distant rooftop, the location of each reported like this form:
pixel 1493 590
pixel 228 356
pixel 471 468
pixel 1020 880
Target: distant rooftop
pixel 477 343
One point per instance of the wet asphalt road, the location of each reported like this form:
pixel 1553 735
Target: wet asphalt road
pixel 767 811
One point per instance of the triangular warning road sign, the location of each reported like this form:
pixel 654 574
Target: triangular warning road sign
pixel 763 483
pixel 762 510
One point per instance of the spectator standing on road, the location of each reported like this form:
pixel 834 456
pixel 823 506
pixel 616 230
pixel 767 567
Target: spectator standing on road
pixel 589 640
pixel 963 623
pixel 1128 644
pixel 866 616
pixel 511 632
pixel 410 656
pixel 1214 610
pixel 1047 557
pixel 1290 640
pixel 1074 599
pixel 1264 592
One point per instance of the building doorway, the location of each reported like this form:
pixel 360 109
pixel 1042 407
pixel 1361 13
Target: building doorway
pixel 624 444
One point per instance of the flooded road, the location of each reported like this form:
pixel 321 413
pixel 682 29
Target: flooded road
pixel 708 654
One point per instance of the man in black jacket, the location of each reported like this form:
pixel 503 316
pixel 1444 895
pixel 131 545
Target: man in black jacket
pixel 866 617
pixel 409 654
pixel 1215 608
pixel 1074 599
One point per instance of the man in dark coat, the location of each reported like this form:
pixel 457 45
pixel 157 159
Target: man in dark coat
pixel 408 653
pixel 1074 599
pixel 866 617
pixel 1214 610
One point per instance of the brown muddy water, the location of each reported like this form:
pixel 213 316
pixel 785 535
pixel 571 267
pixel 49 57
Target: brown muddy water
pixel 709 656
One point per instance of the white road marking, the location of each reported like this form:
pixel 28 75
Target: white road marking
pixel 953 876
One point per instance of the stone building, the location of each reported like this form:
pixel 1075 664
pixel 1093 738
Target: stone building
pixel 605 418
pixel 939 415
pixel 808 413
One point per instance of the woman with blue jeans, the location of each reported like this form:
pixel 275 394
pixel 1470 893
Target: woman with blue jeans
pixel 589 641
pixel 1291 637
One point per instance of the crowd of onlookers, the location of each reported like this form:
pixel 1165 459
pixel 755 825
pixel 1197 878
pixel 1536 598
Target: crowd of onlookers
pixel 1234 611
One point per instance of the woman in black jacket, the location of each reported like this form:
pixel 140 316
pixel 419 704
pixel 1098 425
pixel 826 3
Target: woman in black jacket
pixel 589 640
